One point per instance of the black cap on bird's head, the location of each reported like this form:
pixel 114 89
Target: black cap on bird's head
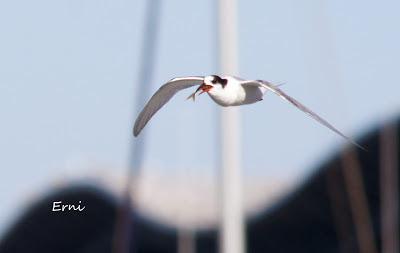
pixel 215 80
pixel 209 83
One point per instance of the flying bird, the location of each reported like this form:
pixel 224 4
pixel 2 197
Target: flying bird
pixel 225 91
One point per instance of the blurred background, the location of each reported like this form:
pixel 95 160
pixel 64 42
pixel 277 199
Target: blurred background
pixel 74 75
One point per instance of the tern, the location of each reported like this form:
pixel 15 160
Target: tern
pixel 225 91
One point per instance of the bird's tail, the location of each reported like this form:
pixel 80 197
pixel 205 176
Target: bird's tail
pixel 192 96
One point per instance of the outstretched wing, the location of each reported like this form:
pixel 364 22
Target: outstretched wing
pixel 161 97
pixel 279 92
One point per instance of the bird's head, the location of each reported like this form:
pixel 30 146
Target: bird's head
pixel 210 84
pixel 215 81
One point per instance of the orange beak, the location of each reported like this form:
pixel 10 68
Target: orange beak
pixel 204 88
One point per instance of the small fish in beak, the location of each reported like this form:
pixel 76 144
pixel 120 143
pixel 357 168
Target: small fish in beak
pixel 204 88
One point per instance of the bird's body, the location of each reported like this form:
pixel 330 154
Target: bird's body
pixel 235 94
pixel 225 91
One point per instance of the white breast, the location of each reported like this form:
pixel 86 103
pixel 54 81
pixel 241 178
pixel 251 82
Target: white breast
pixel 235 94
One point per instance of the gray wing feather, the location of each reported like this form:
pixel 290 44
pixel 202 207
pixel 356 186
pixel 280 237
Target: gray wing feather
pixel 161 97
pixel 279 92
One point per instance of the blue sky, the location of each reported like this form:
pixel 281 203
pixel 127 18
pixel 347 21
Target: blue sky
pixel 68 73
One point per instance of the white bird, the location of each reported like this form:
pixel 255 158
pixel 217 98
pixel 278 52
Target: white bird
pixel 225 91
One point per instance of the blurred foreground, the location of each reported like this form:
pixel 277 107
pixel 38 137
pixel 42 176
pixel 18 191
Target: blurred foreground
pixel 338 209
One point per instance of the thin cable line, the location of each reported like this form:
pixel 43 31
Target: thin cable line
pixel 124 232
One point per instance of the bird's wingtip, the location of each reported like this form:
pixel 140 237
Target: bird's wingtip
pixel 361 147
pixel 135 132
pixel 357 144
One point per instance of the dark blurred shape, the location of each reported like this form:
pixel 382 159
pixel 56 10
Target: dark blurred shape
pixel 389 188
pixel 92 230
pixel 317 217
pixel 42 230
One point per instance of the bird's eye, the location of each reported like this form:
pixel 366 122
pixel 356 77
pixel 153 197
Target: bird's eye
pixel 214 81
pixel 224 82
